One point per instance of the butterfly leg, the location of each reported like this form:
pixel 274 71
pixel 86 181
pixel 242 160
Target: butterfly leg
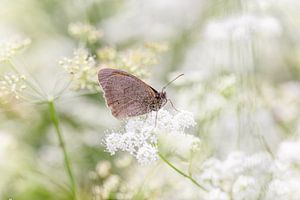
pixel 169 100
pixel 156 119
pixel 155 123
pixel 146 118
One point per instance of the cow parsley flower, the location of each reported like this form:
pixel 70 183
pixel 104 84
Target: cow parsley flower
pixel 83 70
pixel 12 85
pixel 85 32
pixel 12 47
pixel 146 154
pixel 140 137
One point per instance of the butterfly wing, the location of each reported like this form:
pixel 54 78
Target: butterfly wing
pixel 125 94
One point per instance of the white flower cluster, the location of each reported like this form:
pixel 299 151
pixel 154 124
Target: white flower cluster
pixel 254 177
pixel 11 85
pixel 140 137
pixel 85 32
pixel 11 47
pixel 238 175
pixel 83 70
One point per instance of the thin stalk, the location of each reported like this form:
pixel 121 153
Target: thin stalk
pixel 182 173
pixel 55 120
pixel 26 81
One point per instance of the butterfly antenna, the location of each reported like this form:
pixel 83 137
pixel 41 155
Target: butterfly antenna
pixel 171 82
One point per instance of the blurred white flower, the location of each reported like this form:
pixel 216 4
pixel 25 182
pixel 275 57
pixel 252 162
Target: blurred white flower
pixel 211 171
pixel 123 161
pixel 140 137
pixel 217 194
pixel 82 68
pixel 234 163
pixel 182 144
pixel 245 188
pixel 109 186
pixel 11 47
pixel 248 177
pixel 111 183
pixel 12 85
pixel 283 190
pixel 289 152
pixel 235 172
pixel 85 32
pixel 281 170
pixel 103 168
pixel 258 164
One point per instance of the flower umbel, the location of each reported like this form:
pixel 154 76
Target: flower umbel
pixel 83 70
pixel 12 47
pixel 85 32
pixel 140 137
pixel 11 85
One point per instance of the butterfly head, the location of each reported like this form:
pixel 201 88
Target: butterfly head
pixel 159 101
pixel 162 95
pixel 162 98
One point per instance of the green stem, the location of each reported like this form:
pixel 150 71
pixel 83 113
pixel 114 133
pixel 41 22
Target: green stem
pixel 182 173
pixel 55 120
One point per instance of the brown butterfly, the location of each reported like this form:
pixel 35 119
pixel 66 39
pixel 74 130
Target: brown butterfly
pixel 128 96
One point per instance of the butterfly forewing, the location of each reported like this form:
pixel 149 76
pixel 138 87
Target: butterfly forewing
pixel 125 94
